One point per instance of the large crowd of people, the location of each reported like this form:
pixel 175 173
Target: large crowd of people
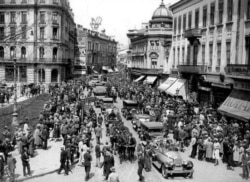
pixel 69 116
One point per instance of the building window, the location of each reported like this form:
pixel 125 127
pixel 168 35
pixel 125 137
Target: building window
pixel 157 44
pixel 42 17
pixel 248 9
pixel 1 52
pixel 23 52
pixel 2 37
pixel 212 9
pixel 179 25
pixel 41 75
pixel 55 17
pixel 196 48
pixel 203 54
pixel 12 33
pixel 154 63
pixel 210 54
pixel 174 57
pixel 24 17
pixel 152 45
pixel 218 54
pixel 197 14
pixel 175 22
pixel 190 20
pixel 23 73
pixel 221 4
pixel 228 47
pixel 229 10
pixel 2 18
pixel 9 73
pixel 54 52
pixel 24 1
pixel 204 16
pixel 183 54
pixel 55 31
pixel 89 46
pixel 188 54
pixel 12 49
pixel 41 52
pixel 184 22
pixel 42 32
pixel 12 17
pixel 24 32
pixel 178 56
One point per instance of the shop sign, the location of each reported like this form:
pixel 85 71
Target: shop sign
pixel 237 104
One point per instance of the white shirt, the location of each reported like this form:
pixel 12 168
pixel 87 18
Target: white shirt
pixel 113 177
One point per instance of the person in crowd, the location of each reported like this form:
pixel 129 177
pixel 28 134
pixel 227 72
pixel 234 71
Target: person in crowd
pixel 25 161
pixel 108 163
pixel 87 163
pixel 98 133
pixel 113 176
pixel 209 149
pixel 245 164
pixel 216 151
pixel 98 154
pixel 37 137
pixel 147 157
pixel 194 145
pixel 2 163
pixel 141 163
pixel 11 163
pixel 63 160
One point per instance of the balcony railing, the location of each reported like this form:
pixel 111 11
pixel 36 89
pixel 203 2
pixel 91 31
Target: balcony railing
pixel 193 33
pixel 199 69
pixel 237 70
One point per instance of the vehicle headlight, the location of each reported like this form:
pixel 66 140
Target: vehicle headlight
pixel 190 165
pixel 169 165
pixel 184 162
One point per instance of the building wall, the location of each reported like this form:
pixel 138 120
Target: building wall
pixel 211 34
pixel 57 14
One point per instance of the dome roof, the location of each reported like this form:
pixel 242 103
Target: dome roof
pixel 162 12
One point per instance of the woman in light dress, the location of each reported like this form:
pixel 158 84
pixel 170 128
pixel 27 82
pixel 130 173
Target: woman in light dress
pixel 216 153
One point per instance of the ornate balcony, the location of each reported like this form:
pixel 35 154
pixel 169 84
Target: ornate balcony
pixel 237 70
pixel 192 34
pixel 198 69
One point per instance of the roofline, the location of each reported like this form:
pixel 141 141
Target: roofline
pixel 182 2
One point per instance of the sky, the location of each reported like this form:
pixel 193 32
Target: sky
pixel 118 16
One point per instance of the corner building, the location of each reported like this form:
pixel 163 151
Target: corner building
pixel 149 48
pixel 37 34
pixel 211 50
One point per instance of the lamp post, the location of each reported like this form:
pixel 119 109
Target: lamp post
pixel 15 114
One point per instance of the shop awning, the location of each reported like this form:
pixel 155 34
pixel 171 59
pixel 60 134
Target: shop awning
pixel 150 79
pixel 110 71
pixel 178 88
pixel 105 68
pixel 140 78
pixel 165 85
pixel 237 105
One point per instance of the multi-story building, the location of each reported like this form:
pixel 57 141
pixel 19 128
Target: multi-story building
pixel 150 46
pixel 211 50
pixel 96 51
pixel 38 35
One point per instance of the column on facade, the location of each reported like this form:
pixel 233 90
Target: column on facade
pixel 47 75
pixel 2 73
pixel 59 78
pixel 191 54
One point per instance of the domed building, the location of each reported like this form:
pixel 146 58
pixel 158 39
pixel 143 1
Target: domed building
pixel 150 47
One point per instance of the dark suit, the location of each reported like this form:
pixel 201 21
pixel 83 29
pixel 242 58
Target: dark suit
pixel 63 159
pixel 108 163
pixel 26 164
pixel 87 164
pixel 141 162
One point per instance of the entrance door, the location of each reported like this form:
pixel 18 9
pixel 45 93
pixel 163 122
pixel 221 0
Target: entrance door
pixel 54 75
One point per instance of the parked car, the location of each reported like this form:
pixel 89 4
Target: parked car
pixel 169 161
pixel 152 128
pixel 138 119
pixel 107 102
pixel 128 107
pixel 100 91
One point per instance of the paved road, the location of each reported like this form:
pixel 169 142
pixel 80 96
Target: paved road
pixel 204 172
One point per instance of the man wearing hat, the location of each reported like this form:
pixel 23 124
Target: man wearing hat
pixel 63 160
pixel 87 163
pixel 245 163
pixel 113 176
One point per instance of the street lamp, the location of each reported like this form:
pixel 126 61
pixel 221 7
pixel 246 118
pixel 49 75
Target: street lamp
pixel 15 114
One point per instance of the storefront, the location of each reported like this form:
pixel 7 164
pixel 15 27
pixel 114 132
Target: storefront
pixel 179 88
pixel 150 80
pixel 165 85
pixel 237 105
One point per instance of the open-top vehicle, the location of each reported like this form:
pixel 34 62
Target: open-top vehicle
pixel 138 119
pixel 107 102
pixel 167 158
pixel 152 128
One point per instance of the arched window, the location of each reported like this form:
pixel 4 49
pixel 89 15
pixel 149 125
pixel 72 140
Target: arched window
pixel 54 75
pixel 54 52
pixel 23 52
pixel 41 75
pixel 41 52
pixel 1 52
pixel 12 52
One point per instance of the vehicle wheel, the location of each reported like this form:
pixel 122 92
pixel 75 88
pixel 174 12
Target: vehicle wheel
pixel 163 172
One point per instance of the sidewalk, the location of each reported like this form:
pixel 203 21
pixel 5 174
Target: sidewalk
pixel 44 162
pixel 11 102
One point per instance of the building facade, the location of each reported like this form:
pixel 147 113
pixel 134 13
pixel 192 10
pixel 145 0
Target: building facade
pixel 95 51
pixel 38 35
pixel 150 45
